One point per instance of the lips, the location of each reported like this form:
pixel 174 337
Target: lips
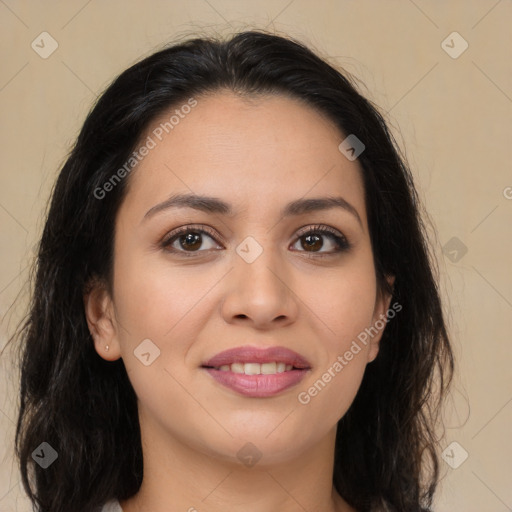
pixel 256 372
pixel 258 355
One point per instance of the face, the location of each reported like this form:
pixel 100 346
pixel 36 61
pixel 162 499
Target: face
pixel 253 265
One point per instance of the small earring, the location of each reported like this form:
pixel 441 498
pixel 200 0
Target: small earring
pixel 106 347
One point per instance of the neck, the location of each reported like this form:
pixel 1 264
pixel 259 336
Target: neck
pixel 178 477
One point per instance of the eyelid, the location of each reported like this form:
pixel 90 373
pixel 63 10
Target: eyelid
pixel 322 228
pixel 339 239
pixel 200 228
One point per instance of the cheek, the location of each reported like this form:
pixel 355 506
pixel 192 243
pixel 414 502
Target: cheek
pixel 344 306
pixel 154 299
pixel 331 393
pixel 156 303
pixel 343 302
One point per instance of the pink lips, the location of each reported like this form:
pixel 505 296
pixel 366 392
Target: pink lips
pixel 258 386
pixel 249 354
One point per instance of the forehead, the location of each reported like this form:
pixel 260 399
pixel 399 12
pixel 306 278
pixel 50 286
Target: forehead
pixel 261 151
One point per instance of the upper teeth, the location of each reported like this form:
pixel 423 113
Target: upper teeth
pixel 256 368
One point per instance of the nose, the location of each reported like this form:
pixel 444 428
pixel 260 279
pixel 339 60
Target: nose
pixel 260 294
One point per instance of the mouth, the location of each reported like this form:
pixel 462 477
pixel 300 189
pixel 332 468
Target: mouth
pixel 255 368
pixel 256 372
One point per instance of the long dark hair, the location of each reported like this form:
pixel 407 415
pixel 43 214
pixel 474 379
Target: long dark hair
pixel 86 409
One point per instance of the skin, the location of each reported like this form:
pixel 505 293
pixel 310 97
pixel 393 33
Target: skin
pixel 257 155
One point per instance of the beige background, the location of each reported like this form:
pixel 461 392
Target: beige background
pixel 454 117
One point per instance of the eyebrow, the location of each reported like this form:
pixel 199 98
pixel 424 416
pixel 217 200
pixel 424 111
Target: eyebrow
pixel 215 205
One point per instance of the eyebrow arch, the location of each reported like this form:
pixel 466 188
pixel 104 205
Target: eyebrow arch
pixel 214 205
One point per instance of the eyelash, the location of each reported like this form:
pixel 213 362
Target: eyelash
pixel 340 240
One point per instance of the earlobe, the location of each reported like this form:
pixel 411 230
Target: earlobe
pixel 100 320
pixel 380 318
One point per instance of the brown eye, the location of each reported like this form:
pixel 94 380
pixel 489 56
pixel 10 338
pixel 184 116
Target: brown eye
pixel 188 240
pixel 322 240
pixel 312 242
pixel 191 241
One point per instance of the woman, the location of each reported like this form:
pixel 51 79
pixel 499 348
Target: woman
pixel 234 305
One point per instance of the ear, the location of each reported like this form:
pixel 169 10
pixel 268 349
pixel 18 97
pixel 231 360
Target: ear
pixel 99 312
pixel 379 318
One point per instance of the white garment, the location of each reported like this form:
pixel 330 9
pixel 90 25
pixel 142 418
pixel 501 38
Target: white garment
pixel 112 506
